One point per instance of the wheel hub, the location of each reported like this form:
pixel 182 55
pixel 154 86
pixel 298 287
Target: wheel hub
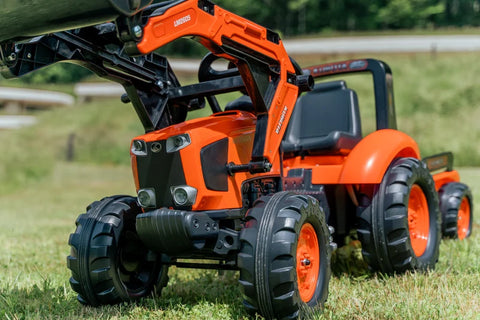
pixel 308 262
pixel 418 220
pixel 463 222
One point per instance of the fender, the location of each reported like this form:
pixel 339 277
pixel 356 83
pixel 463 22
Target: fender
pixel 369 160
pixel 443 178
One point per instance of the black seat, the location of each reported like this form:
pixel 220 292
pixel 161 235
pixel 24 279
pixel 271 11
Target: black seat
pixel 244 103
pixel 325 119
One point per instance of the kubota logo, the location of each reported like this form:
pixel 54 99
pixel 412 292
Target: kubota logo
pixel 282 118
pixel 182 20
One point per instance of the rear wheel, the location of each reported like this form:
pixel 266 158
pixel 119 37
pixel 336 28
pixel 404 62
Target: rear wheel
pixel 284 259
pixel 109 262
pixel 456 207
pixel 400 228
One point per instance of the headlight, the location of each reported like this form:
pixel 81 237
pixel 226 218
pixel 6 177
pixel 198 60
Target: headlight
pixel 139 148
pixel 146 198
pixel 179 142
pixel 184 195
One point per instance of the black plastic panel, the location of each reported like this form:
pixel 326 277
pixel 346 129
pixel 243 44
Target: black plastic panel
pixel 214 157
pixel 160 171
pixel 300 182
pixel 174 231
pixel 442 161
pixel 326 118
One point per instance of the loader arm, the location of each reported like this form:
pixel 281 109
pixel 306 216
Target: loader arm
pixel 98 49
pixel 269 77
pixel 265 67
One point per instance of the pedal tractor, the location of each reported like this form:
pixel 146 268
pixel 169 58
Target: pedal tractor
pixel 259 186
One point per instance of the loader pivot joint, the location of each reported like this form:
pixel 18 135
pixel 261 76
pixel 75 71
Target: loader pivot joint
pixel 304 83
pixel 252 167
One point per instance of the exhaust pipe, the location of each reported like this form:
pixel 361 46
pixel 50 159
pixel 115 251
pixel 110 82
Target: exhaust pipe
pixel 29 18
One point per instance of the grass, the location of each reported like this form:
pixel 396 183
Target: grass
pixel 101 132
pixel 34 234
pixel 417 32
pixel 41 195
pixel 37 220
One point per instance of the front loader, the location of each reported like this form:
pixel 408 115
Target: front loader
pixel 264 185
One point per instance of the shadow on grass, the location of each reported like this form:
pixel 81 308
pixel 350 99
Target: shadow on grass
pixel 204 295
pixel 208 289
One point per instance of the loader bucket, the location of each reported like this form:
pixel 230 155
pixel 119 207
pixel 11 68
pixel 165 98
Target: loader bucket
pixel 28 18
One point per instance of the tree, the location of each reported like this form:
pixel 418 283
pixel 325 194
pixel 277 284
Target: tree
pixel 409 13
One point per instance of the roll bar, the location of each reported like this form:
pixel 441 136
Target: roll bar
pixel 382 84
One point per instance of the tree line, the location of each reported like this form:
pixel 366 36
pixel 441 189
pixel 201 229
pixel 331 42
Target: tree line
pixel 294 17
pixel 301 17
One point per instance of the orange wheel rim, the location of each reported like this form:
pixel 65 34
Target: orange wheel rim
pixel 463 222
pixel 418 220
pixel 308 262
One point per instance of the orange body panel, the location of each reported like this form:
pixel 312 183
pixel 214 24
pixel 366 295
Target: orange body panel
pixel 445 177
pixel 239 128
pixel 369 160
pixel 187 19
pixel 326 169
pixel 365 164
pixel 133 161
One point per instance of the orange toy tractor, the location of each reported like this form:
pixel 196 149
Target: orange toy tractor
pixel 267 185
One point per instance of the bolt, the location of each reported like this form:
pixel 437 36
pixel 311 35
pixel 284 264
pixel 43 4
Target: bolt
pixel 137 31
pixel 305 262
pixel 12 57
pixel 331 229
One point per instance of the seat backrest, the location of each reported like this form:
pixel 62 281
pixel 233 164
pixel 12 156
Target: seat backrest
pixel 243 103
pixel 326 118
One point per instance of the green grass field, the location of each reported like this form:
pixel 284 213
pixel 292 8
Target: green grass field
pixel 37 221
pixel 41 195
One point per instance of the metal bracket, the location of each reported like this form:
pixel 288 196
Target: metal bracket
pixel 228 240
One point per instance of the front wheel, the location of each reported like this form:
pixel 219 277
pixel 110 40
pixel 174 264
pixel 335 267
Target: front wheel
pixel 285 256
pixel 109 262
pixel 400 228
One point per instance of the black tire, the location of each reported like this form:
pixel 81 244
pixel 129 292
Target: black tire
pixel 455 200
pixel 108 261
pixel 268 256
pixel 384 227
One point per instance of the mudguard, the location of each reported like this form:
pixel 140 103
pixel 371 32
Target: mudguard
pixel 369 160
